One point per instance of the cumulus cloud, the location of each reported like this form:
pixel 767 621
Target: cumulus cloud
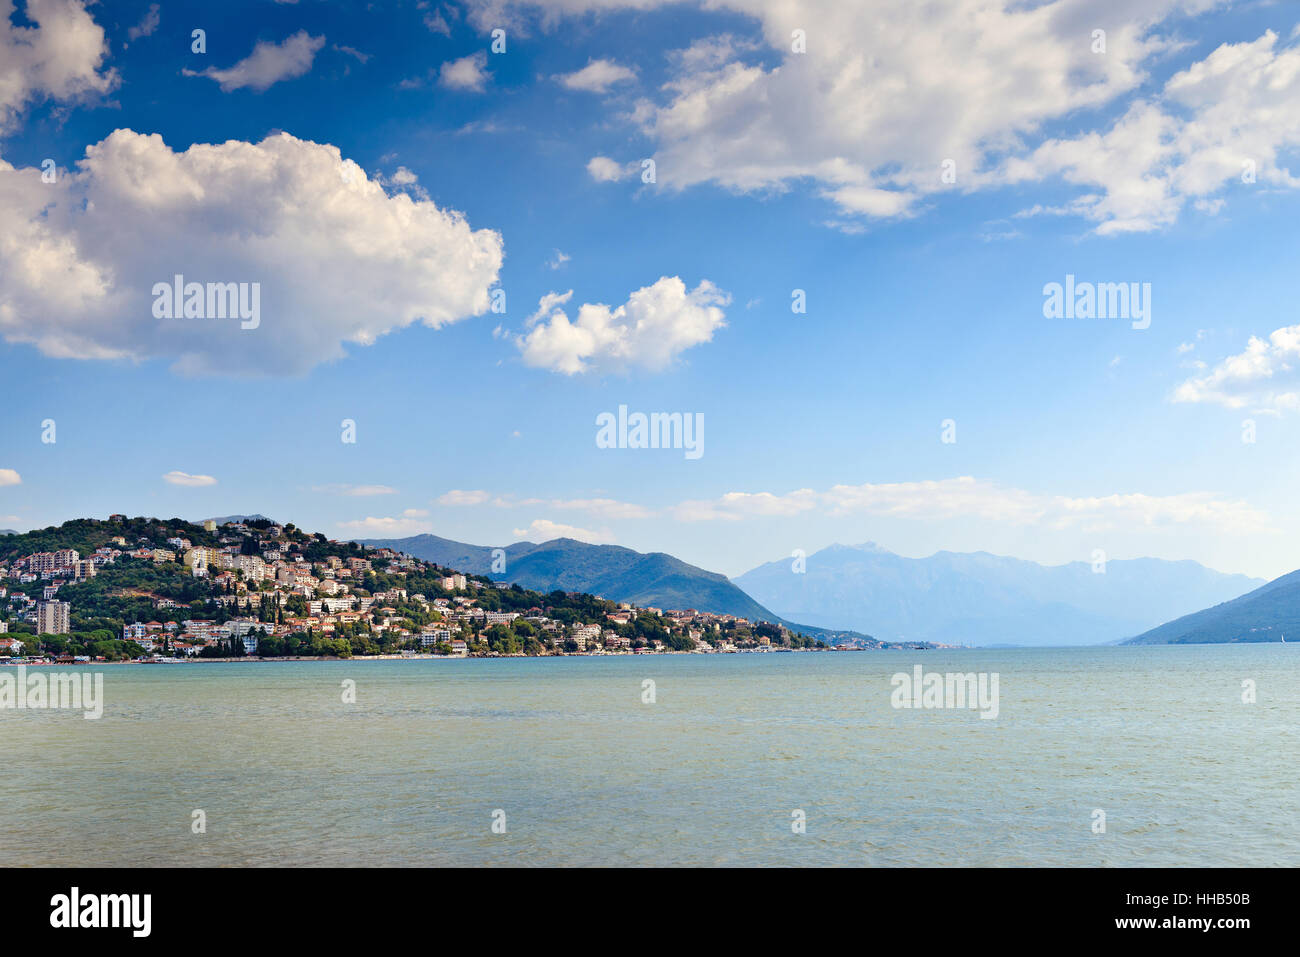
pixel 656 324
pixel 268 64
pixel 605 170
pixel 467 73
pixel 386 527
pixel 979 83
pixel 10 477
pixel 1265 376
pixel 338 259
pixel 60 58
pixel 177 477
pixel 597 76
pixel 544 530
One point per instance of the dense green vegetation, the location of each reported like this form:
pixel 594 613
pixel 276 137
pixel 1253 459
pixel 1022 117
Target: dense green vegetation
pixel 131 590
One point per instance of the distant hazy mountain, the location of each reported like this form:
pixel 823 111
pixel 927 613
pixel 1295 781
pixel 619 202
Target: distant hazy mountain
pixel 9 531
pixel 237 518
pixel 613 572
pixel 1266 614
pixel 981 599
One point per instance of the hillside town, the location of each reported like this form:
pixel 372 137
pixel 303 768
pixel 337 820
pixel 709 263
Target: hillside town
pixel 255 589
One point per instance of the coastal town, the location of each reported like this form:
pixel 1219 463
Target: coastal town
pixel 253 589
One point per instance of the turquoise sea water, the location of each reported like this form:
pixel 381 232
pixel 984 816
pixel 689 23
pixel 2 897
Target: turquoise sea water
pixel 709 774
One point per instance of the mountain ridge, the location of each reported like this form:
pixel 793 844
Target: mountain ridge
pixel 981 598
pixel 646 579
pixel 1257 616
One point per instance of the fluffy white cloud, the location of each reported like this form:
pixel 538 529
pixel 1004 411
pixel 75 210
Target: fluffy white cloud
pixel 467 73
pixel 386 527
pixel 543 530
pixel 605 170
pixel 885 94
pixel 268 64
pixel 967 497
pixel 1222 121
pixel 656 324
pixel 1265 376
pixel 734 506
pixel 177 477
pixel 10 477
pixel 60 57
pixel 338 259
pixel 597 76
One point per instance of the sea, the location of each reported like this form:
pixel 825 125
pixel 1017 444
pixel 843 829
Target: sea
pixel 1101 756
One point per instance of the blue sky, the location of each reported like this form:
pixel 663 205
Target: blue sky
pixel 775 171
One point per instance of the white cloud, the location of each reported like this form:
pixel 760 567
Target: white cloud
pixel 978 83
pixel 547 306
pixel 403 181
pixel 967 497
pixel 353 52
pixel 603 508
pixel 558 260
pixel 606 508
pixel 544 530
pixel 734 506
pixel 1265 376
pixel 597 76
pixel 177 477
pixel 415 513
pixel 656 324
pixel 1224 118
pixel 872 122
pixel 10 477
pixel 605 170
pixel 437 23
pixel 59 58
pixel 386 527
pixel 467 73
pixel 268 64
pixel 461 497
pixel 358 491
pixel 147 25
pixel 337 258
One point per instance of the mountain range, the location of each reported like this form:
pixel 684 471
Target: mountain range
pixel 981 599
pixel 1266 614
pixel 652 579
